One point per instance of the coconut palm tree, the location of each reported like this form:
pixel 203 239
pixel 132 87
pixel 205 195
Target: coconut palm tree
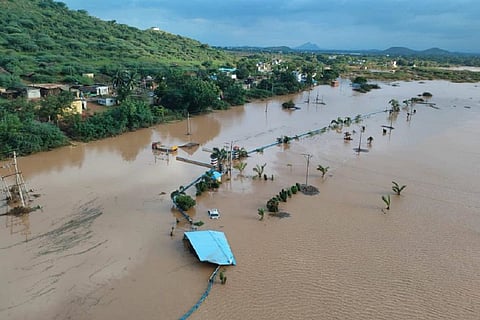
pixel 240 166
pixel 395 105
pixel 386 199
pixel 323 170
pixel 259 169
pixel 261 213
pixel 397 188
pixel 219 154
pixel 124 82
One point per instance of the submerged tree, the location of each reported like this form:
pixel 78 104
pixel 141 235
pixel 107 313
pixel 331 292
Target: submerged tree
pixel 323 170
pixel 184 201
pixel 240 166
pixel 272 205
pixel 427 95
pixel 397 188
pixel 395 105
pixel 370 140
pixel 261 213
pixel 259 169
pixel 386 200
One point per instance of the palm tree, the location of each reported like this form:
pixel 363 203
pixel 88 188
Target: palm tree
pixel 130 79
pixel 219 154
pixel 395 105
pixel 259 169
pixel 261 213
pixel 240 166
pixel 386 199
pixel 124 82
pixel 397 189
pixel 117 79
pixel 323 170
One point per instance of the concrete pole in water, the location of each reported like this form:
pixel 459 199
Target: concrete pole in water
pixel 307 156
pixel 188 123
pixel 231 157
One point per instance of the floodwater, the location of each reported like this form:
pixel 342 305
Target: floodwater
pixel 100 248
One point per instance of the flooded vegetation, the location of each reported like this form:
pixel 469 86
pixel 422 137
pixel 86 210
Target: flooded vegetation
pixel 108 232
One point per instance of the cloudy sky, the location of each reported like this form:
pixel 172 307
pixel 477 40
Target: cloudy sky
pixel 452 25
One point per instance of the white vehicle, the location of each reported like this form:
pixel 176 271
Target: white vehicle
pixel 213 214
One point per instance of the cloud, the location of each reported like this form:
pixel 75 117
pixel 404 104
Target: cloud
pixel 342 24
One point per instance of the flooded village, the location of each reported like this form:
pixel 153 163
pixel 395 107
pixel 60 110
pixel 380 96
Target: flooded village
pixel 108 240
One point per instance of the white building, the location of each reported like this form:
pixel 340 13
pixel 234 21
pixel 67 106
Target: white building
pixel 102 90
pixel 107 101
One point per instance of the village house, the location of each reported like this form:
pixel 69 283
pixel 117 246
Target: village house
pixel 47 89
pixel 79 102
pixel 32 93
pixel 94 90
pixel 108 102
pixel 230 72
pixel 263 67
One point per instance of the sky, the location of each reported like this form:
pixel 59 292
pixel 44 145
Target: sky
pixel 452 25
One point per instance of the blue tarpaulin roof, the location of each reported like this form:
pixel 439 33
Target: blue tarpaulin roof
pixel 216 175
pixel 211 246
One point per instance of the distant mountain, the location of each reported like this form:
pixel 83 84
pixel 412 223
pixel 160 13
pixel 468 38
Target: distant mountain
pixel 279 49
pixel 392 51
pixel 399 51
pixel 307 47
pixel 402 51
pixel 436 52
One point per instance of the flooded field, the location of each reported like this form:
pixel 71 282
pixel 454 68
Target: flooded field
pixel 100 248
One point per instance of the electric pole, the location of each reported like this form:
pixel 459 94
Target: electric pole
pixel 188 123
pixel 307 156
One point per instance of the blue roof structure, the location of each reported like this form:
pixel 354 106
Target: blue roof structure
pixel 211 246
pixel 216 175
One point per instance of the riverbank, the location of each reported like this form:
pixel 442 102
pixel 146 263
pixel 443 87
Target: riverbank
pixel 337 256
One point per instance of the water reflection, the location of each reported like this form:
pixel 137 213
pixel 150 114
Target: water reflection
pixel 128 145
pixel 19 225
pixel 202 129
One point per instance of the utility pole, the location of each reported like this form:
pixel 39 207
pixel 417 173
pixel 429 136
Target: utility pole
pixel 360 141
pixel 231 158
pixel 307 156
pixel 188 123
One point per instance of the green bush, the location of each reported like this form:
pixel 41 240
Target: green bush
pixel 272 205
pixel 185 202
pixel 294 189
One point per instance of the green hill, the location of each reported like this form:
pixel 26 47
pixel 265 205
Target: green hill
pixel 43 40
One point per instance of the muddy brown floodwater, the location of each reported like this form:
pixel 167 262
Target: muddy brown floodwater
pixel 100 248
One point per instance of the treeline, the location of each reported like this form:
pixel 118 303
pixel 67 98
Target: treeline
pixel 27 127
pixel 23 129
